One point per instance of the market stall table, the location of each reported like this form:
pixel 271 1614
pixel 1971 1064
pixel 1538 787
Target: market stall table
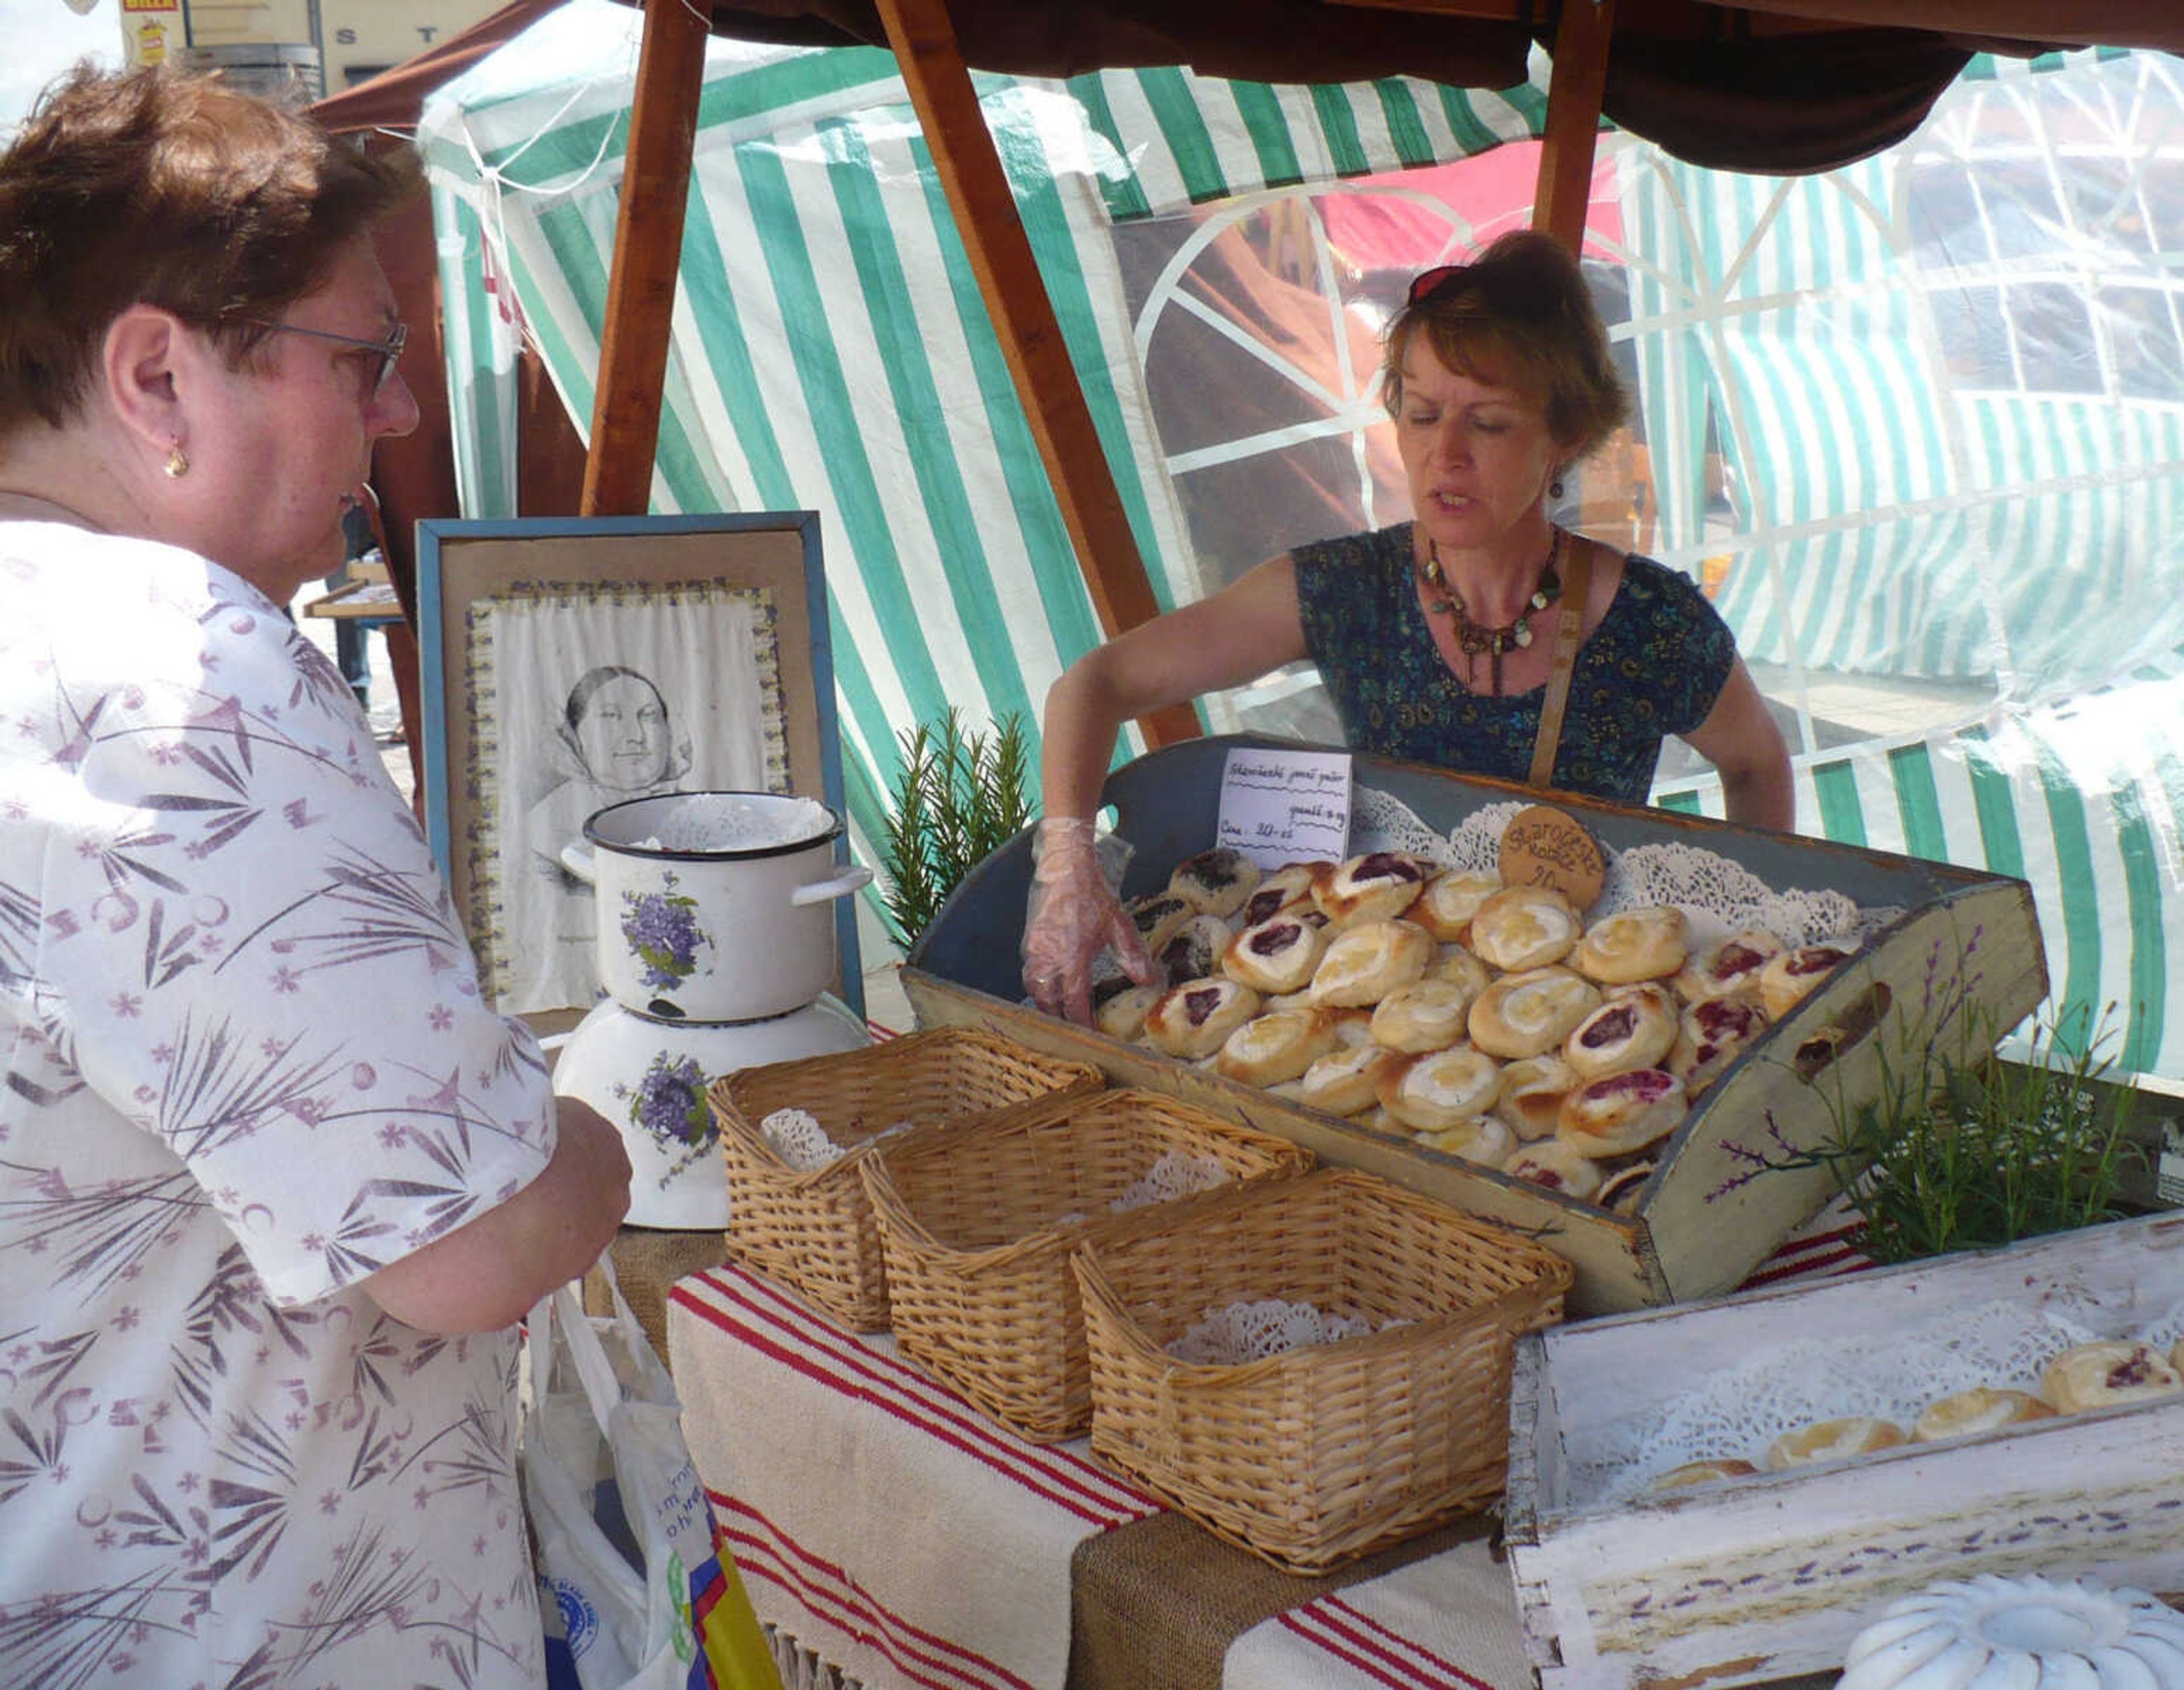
pixel 899 1535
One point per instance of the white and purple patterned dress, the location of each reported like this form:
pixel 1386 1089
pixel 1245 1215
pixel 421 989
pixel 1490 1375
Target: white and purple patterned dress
pixel 246 1065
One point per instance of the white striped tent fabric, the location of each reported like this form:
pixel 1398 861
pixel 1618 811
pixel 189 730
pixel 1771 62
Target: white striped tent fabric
pixel 1898 517
pixel 2083 801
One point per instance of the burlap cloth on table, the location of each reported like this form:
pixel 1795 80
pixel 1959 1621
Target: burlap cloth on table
pixel 1158 1602
pixel 647 1263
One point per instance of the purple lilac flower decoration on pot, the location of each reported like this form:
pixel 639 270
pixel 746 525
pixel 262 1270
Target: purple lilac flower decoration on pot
pixel 668 1103
pixel 662 928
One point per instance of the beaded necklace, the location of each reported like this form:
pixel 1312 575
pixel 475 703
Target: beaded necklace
pixel 1471 638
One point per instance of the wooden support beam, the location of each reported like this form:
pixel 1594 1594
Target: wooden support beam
pixel 1574 96
pixel 648 251
pixel 992 234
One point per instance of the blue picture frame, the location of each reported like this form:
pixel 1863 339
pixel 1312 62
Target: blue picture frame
pixel 463 564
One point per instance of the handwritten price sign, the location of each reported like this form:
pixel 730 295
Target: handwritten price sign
pixel 1286 807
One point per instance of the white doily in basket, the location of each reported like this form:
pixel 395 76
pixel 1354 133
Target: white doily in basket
pixel 1721 897
pixel 1269 1326
pixel 797 1138
pixel 1176 1174
pixel 1739 1411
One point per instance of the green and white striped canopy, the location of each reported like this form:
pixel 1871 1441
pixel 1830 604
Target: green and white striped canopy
pixel 1883 517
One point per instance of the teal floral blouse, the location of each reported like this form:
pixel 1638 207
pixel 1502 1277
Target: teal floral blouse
pixel 1654 667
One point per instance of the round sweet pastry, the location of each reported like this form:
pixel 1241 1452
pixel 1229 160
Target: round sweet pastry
pixel 1122 1014
pixel 1287 885
pixel 1784 980
pixel 1425 1015
pixel 1277 955
pixel 1706 1472
pixel 1555 1165
pixel 1269 1049
pixel 1633 1028
pixel 1530 1014
pixel 2026 1632
pixel 1347 1079
pixel 1364 963
pixel 1983 1409
pixel 2105 1373
pixel 1621 1112
pixel 1352 1022
pixel 1646 944
pixel 1728 967
pixel 1451 898
pixel 1156 917
pixel 1710 1035
pixel 1833 1441
pixel 1454 962
pixel 1524 927
pixel 1194 950
pixel 1532 1092
pixel 1482 1139
pixel 1216 882
pixel 1441 1088
pixel 1619 1190
pixel 1374 887
pixel 1195 1018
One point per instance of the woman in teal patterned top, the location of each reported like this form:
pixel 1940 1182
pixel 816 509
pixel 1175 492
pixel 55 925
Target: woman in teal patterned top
pixel 1435 637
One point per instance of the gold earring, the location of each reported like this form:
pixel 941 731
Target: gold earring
pixel 178 462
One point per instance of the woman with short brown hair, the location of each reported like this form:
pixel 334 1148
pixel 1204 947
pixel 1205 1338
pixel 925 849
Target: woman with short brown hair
pixel 274 1182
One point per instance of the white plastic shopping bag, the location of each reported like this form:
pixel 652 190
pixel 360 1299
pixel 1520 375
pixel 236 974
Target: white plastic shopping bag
pixel 634 1588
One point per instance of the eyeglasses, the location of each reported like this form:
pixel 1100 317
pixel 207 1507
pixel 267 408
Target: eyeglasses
pixel 389 349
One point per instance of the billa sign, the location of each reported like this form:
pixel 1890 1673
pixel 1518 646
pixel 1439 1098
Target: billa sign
pixel 150 29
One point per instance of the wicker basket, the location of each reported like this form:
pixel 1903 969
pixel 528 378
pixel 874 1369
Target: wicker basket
pixel 813 1230
pixel 1319 1454
pixel 978 1227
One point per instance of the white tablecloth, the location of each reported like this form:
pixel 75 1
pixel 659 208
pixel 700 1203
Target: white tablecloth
pixel 891 1528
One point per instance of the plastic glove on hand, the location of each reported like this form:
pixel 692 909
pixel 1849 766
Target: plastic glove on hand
pixel 1074 914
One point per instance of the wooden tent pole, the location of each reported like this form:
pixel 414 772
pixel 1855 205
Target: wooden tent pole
pixel 648 250
pixel 1574 96
pixel 993 235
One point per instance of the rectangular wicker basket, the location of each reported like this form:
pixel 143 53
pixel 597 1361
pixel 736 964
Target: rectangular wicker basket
pixel 1314 1455
pixel 978 1226
pixel 812 1230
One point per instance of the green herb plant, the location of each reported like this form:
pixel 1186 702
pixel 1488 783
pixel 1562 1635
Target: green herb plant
pixel 957 797
pixel 1959 1150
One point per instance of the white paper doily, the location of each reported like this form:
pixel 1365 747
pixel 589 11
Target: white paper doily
pixel 1267 1326
pixel 1718 895
pixel 798 1140
pixel 1739 1411
pixel 1175 1174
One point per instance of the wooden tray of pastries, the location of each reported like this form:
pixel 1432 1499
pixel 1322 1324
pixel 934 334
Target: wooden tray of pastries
pixel 1616 1074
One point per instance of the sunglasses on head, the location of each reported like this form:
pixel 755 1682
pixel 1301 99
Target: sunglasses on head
pixel 1428 282
pixel 389 350
pixel 1500 294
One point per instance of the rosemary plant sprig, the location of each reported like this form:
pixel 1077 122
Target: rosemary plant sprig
pixel 1957 1149
pixel 959 796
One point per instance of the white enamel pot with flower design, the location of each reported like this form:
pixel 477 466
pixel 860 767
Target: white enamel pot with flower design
pixel 715 906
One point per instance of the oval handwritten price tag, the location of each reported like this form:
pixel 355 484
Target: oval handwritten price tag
pixel 1548 847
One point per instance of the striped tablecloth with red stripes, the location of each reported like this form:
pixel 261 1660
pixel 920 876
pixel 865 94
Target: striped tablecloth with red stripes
pixel 896 1532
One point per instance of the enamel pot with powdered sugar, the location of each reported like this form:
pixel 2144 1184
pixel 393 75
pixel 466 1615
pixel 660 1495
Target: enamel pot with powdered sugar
pixel 715 906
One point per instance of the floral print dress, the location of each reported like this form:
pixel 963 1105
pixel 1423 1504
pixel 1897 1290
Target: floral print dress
pixel 246 1064
pixel 1654 667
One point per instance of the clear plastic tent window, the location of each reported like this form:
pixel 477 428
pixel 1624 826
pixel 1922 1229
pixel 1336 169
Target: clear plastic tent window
pixel 1916 424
